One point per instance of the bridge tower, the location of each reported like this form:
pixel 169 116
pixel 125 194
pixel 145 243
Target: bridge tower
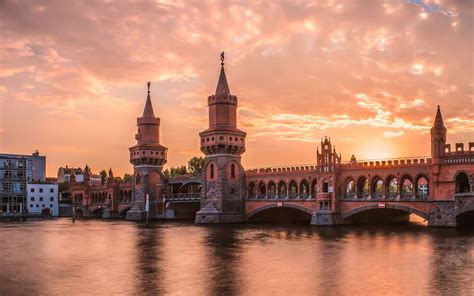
pixel 223 190
pixel 148 157
pixel 328 163
pixel 438 137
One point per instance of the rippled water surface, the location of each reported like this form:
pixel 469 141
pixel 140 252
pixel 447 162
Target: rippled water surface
pixel 118 257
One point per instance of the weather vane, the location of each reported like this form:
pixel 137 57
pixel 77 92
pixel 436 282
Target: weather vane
pixel 148 86
pixel 222 58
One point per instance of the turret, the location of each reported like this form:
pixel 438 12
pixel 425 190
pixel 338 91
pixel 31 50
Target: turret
pixel 222 136
pixel 223 190
pixel 438 136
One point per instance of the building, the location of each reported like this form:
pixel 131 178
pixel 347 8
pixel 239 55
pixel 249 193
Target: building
pixel 42 198
pixel 438 188
pixel 64 174
pixel 16 171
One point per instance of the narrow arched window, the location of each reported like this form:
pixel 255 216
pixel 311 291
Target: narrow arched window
pixel 211 171
pixel 232 171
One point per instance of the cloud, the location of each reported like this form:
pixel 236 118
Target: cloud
pixel 389 134
pixel 300 69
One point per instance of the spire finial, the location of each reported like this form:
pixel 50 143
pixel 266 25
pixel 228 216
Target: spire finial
pixel 222 58
pixel 148 86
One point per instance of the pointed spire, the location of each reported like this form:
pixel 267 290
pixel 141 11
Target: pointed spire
pixel 438 123
pixel 222 88
pixel 148 111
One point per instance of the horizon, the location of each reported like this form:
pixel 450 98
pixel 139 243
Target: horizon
pixel 75 93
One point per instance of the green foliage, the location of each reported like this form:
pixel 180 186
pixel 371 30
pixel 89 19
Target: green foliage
pixel 127 178
pixel 63 186
pixel 103 176
pixel 196 166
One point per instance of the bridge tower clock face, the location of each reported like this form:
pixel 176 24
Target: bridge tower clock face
pixel 326 147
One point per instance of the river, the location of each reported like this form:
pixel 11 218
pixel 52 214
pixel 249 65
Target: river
pixel 57 257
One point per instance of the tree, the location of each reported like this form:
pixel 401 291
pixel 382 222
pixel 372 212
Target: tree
pixel 127 177
pixel 103 176
pixel 196 166
pixel 87 170
pixel 173 172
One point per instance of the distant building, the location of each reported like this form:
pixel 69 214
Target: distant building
pixel 64 174
pixel 16 171
pixel 42 198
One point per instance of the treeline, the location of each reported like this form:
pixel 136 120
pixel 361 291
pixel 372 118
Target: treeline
pixel 194 168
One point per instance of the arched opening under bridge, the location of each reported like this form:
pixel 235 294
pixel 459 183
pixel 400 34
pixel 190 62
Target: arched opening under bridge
pixel 373 214
pixel 276 214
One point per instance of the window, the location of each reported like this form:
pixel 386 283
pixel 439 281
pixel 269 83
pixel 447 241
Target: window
pixel 32 198
pixel 232 171
pixel 51 198
pixel 211 173
pixel 41 198
pixel 51 190
pixel 51 205
pixel 37 205
pixel 32 190
pixel 31 206
pixel 42 206
pixel 41 190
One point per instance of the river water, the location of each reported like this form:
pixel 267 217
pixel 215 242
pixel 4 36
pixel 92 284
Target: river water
pixel 56 257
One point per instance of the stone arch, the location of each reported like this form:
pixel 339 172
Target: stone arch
pixel 124 210
pixel 391 186
pixel 407 188
pixel 377 187
pixel 325 185
pixel 349 188
pixel 422 186
pixel 282 189
pixel 304 189
pixel 272 190
pixel 461 181
pixel 251 190
pixel 362 187
pixel 292 189
pixel 306 210
pixel 314 188
pixel 410 210
pixel 262 190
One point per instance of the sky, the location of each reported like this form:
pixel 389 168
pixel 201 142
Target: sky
pixel 368 74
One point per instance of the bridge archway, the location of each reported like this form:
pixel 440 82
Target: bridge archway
pixel 272 191
pixel 390 213
pixel 285 213
pixel 282 190
pixel 124 210
pixel 462 183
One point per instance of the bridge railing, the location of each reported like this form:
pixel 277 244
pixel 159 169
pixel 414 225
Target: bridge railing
pixel 182 196
pixel 284 168
pixel 401 161
pixel 383 162
pixel 459 159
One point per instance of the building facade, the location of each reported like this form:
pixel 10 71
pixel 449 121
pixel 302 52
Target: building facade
pixel 16 171
pixel 438 188
pixel 42 198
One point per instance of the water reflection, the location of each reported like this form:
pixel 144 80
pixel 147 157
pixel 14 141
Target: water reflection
pixel 148 258
pixel 224 249
pixel 118 257
pixel 452 270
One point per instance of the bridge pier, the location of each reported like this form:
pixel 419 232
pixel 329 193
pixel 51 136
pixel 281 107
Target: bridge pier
pixel 326 218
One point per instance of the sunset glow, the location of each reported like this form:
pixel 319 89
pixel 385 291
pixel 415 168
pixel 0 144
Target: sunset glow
pixel 73 76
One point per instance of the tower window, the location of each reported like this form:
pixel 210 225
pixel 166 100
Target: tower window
pixel 211 171
pixel 232 171
pixel 138 179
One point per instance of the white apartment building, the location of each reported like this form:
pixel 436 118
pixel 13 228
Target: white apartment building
pixel 42 198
